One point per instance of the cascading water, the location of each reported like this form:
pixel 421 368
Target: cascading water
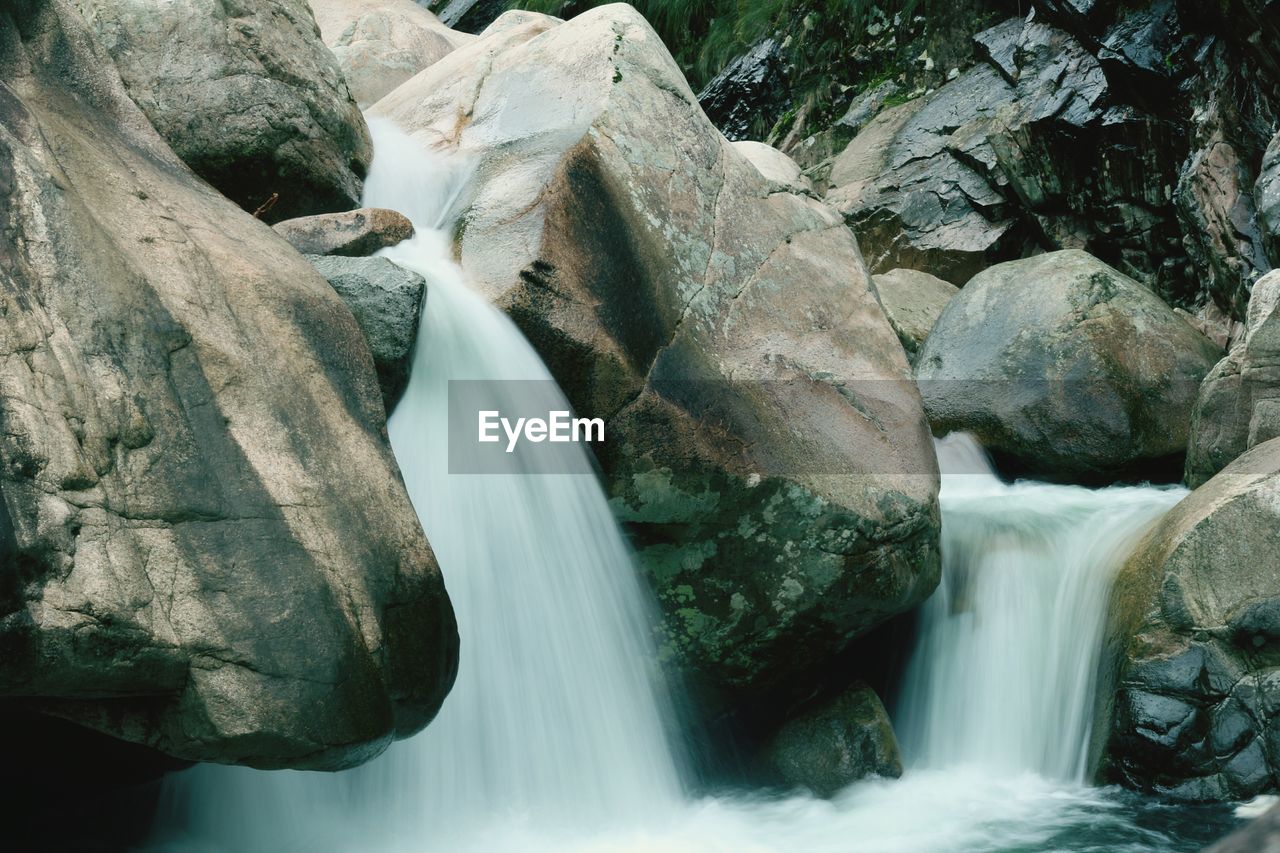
pixel 1004 672
pixel 552 738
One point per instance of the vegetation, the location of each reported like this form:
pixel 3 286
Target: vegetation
pixel 819 37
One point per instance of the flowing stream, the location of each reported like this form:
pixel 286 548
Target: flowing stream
pixel 557 735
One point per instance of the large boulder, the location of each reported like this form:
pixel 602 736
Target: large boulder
pixel 354 234
pixel 1196 623
pixel 1239 403
pixel 207 547
pixel 766 449
pixel 382 43
pixel 750 93
pixel 1066 369
pixel 913 301
pixel 246 94
pixel 830 747
pixel 386 300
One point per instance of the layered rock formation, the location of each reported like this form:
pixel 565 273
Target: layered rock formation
pixel 767 451
pixel 246 94
pixel 1065 369
pixel 206 545
pixel 1134 131
pixel 1196 625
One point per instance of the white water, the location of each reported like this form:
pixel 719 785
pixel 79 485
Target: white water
pixel 552 738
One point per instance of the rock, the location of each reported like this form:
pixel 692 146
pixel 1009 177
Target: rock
pixel 750 94
pixel 912 301
pixel 906 186
pixel 1032 150
pixel 382 43
pixel 355 233
pixel 866 106
pixel 828 748
pixel 1196 622
pixel 767 452
pixel 209 549
pixel 1260 835
pixel 1066 369
pixel 469 16
pixel 1237 401
pixel 246 94
pixel 774 166
pixel 386 301
pixel 1266 194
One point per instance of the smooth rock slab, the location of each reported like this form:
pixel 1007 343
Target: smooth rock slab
pixel 913 301
pixel 386 301
pixel 356 233
pixel 382 43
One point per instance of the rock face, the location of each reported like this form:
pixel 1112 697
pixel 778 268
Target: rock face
pixel 207 547
pixel 1196 618
pixel 767 452
pixel 1239 402
pixel 382 43
pixel 1133 131
pixel 386 301
pixel 751 89
pixel 1066 369
pixel 913 301
pixel 246 94
pixel 828 748
pixel 355 234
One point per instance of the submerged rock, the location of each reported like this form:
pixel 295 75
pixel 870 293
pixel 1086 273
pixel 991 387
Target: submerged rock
pixel 830 747
pixel 1195 625
pixel 913 301
pixel 767 452
pixel 207 546
pixel 356 233
pixel 1066 369
pixel 1239 403
pixel 382 43
pixel 386 301
pixel 246 94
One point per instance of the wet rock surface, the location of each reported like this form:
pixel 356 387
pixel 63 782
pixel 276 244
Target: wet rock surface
pixel 828 748
pixel 1196 625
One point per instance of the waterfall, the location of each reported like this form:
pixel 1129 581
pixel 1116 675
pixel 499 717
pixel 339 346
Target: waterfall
pixel 555 711
pixel 1003 674
pixel 553 736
